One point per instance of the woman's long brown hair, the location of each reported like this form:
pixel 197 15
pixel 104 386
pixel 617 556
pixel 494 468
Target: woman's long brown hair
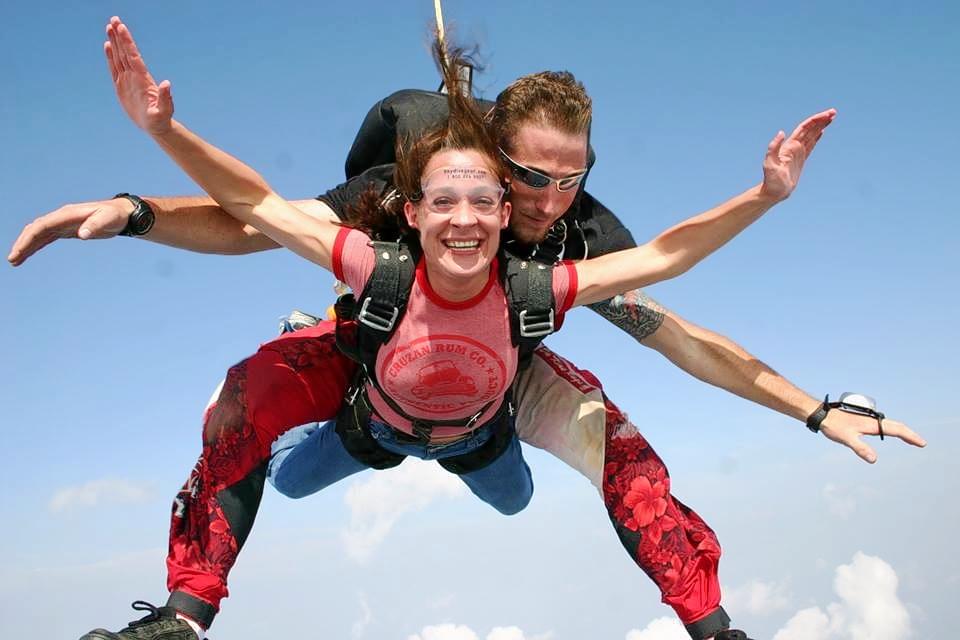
pixel 464 128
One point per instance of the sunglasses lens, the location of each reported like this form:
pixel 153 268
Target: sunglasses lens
pixel 530 178
pixel 566 184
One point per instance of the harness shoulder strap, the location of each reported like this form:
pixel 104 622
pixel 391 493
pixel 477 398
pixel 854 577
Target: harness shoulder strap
pixel 529 288
pixel 379 308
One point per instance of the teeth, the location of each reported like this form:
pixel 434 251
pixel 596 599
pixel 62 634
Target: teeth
pixel 463 244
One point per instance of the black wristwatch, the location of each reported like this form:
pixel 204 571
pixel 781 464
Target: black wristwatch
pixel 818 416
pixel 850 403
pixel 141 218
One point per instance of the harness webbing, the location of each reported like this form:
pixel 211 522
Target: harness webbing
pixel 366 323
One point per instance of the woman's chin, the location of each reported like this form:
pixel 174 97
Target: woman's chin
pixel 464 264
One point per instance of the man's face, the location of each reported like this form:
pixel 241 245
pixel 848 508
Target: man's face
pixel 556 154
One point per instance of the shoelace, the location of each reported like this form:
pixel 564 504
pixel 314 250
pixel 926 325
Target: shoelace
pixel 140 605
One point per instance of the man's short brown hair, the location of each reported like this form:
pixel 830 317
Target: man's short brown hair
pixel 550 98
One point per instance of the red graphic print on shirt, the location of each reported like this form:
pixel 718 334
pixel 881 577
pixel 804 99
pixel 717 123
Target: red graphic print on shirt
pixel 438 373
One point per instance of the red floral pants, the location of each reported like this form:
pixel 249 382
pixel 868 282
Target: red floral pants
pixel 300 377
pixel 295 379
pixel 563 410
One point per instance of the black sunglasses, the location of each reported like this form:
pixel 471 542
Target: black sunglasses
pixel 537 180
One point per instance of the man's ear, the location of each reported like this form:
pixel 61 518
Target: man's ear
pixel 507 209
pixel 410 213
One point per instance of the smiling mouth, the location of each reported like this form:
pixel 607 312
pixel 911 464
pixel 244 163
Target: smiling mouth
pixel 462 245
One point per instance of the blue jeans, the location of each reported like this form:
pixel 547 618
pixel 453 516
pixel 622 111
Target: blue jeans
pixel 309 458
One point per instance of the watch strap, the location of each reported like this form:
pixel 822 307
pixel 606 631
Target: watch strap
pixel 817 417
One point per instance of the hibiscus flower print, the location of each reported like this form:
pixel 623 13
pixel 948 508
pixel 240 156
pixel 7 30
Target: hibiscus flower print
pixel 646 501
pixel 655 530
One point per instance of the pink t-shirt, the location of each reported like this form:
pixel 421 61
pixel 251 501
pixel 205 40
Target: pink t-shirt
pixel 446 360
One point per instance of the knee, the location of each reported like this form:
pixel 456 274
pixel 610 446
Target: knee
pixel 281 482
pixel 514 504
pixel 282 476
pixel 226 411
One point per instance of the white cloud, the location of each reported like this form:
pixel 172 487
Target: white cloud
pixel 462 632
pixel 869 608
pixel 514 633
pixel 378 503
pixel 360 626
pixel 808 624
pixel 445 632
pixel 98 493
pixel 660 629
pixel 839 502
pixel 756 597
pixel 868 588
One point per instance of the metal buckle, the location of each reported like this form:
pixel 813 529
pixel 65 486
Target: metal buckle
pixel 421 430
pixel 536 326
pixel 352 394
pixel 472 421
pixel 370 318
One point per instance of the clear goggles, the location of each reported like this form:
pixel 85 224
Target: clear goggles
pixel 446 189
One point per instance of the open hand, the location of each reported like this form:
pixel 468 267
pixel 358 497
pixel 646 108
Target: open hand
pixel 785 157
pixel 87 221
pixel 147 103
pixel 847 429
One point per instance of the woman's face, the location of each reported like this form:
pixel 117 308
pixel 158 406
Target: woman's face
pixel 461 213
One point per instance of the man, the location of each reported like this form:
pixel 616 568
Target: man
pixel 543 122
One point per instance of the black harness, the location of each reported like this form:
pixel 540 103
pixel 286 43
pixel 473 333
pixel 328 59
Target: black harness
pixel 366 323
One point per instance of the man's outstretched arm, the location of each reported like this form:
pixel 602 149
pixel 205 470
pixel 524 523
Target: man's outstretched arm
pixel 721 362
pixel 191 223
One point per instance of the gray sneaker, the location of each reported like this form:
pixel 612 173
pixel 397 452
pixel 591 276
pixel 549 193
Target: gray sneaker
pixel 160 624
pixel 298 320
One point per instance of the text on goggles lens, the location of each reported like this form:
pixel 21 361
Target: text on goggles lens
pixel 445 189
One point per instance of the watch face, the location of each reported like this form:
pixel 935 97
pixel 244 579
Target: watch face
pixel 141 220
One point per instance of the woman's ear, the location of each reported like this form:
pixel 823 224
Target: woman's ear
pixel 410 213
pixel 507 209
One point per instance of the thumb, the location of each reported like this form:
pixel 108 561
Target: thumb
pixel 105 222
pixel 863 450
pixel 165 97
pixel 773 149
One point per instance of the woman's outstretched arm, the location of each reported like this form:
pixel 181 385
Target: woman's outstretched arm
pixel 240 190
pixel 682 246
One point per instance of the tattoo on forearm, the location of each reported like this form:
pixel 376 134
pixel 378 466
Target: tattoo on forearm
pixel 635 312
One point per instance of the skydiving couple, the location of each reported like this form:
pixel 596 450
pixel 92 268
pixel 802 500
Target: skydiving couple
pixel 443 328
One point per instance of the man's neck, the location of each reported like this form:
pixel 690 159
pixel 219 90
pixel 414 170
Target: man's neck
pixel 549 250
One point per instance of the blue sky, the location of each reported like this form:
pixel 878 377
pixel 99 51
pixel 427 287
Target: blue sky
pixel 113 348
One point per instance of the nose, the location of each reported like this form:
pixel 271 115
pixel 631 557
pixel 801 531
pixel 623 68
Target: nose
pixel 552 202
pixel 463 215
